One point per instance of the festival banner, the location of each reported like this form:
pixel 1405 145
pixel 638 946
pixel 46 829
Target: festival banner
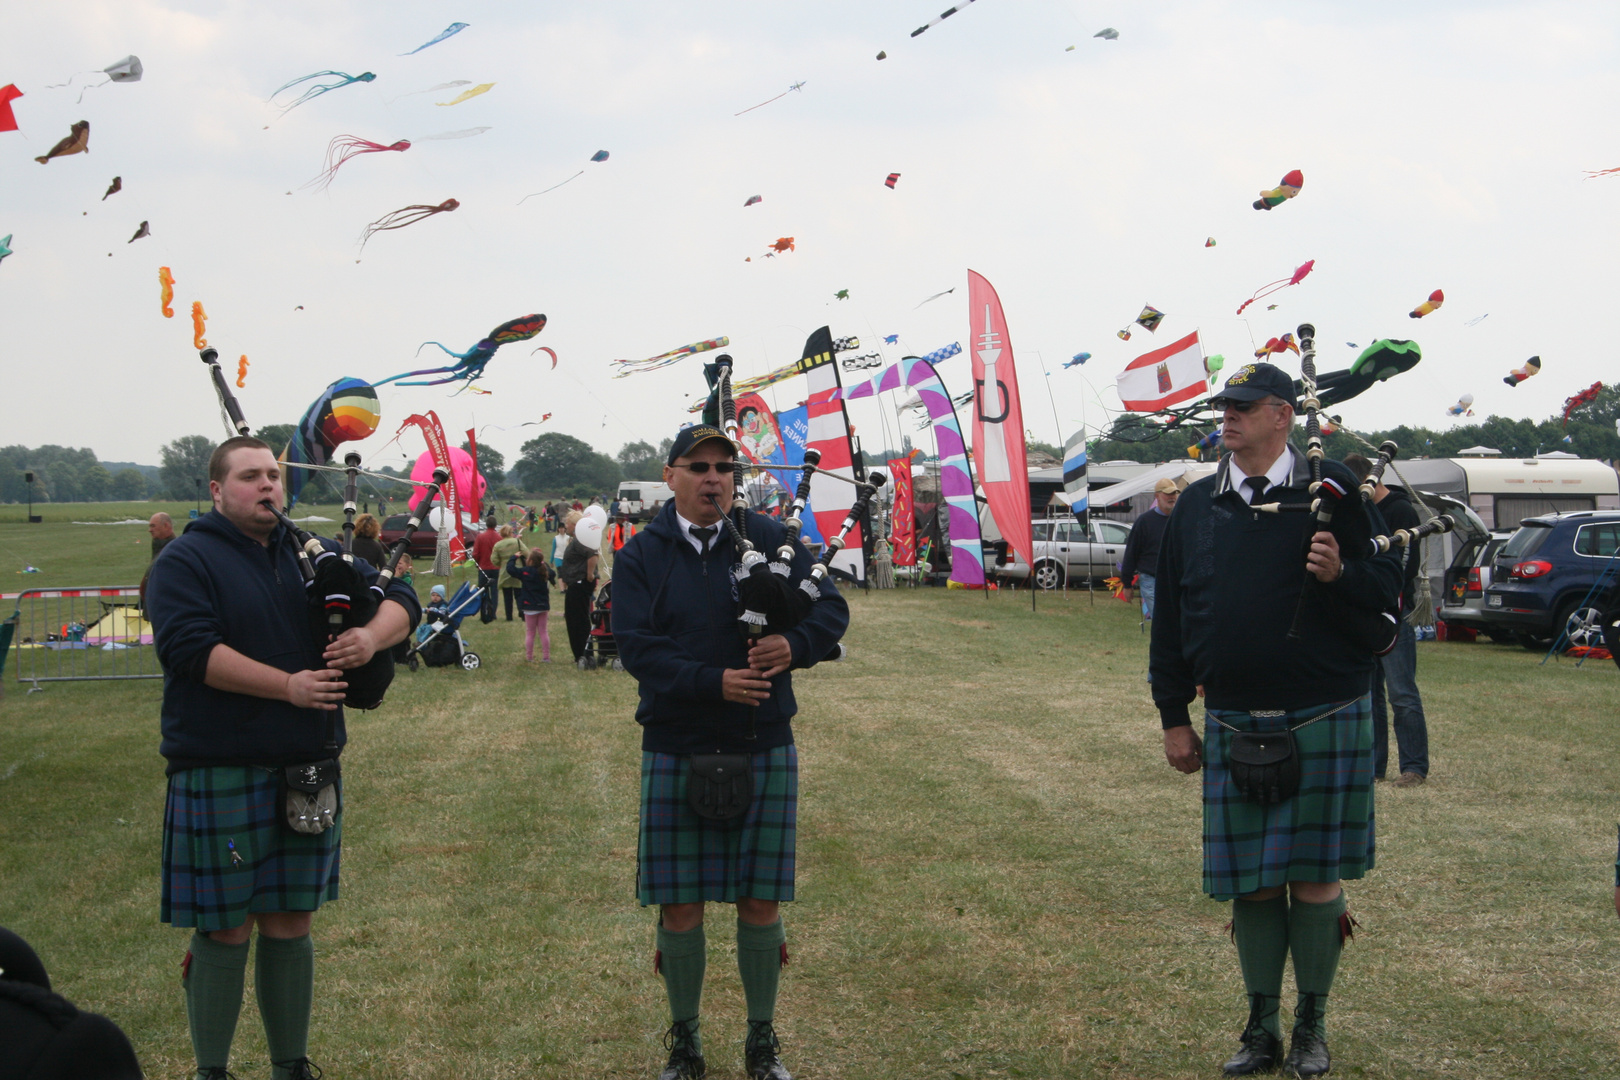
pixel 794 425
pixel 1075 484
pixel 829 433
pixel 903 537
pixel 475 506
pixel 1164 377
pixel 433 432
pixel 998 419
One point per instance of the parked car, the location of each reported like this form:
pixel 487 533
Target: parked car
pixel 424 541
pixel 1066 550
pixel 1462 600
pixel 1543 578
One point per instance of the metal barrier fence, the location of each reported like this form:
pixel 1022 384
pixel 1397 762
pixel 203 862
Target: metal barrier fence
pixel 69 635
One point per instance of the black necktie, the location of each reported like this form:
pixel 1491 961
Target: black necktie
pixel 704 535
pixel 1256 486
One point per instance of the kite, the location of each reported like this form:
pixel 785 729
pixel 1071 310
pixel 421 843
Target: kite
pixel 1429 306
pixel 1378 362
pixel 1208 442
pixel 653 363
pixel 114 188
pixel 894 178
pixel 481 88
pixel 1281 283
pixel 778 97
pixel 783 243
pixel 1210 242
pixel 841 294
pixel 549 351
pixel 1464 406
pixel 126 70
pixel 752 199
pixel 1107 33
pixel 882 55
pixel 405 215
pixel 1123 335
pixel 344 147
pixel 1593 174
pixel 1213 365
pixel 8 94
pixel 470 364
pixel 1284 191
pixel 343 79
pixel 459 133
pixel 300 307
pixel 1283 344
pixel 1271 307
pixel 1069 49
pixel 1329 424
pixel 76 143
pixel 450 31
pixel 5 246
pixel 451 85
pixel 345 411
pixel 241 372
pixel 1585 397
pixel 144 230
pixel 941 17
pixel 600 155
pixel 891 339
pixel 199 325
pixel 166 279
pixel 1519 374
pixel 1150 318
pixel 1079 358
pixel 1477 319
pixel 936 296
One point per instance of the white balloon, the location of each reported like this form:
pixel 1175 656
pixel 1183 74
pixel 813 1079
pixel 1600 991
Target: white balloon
pixel 595 513
pixel 589 532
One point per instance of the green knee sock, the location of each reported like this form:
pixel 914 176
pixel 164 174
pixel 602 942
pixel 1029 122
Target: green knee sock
pixel 1314 935
pixel 684 957
pixel 759 961
pixel 1261 929
pixel 284 979
pixel 213 981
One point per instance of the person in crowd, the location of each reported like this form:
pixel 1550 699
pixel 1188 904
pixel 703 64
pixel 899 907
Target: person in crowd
pixel 44 1035
pixel 161 529
pixel 578 575
pixel 1141 557
pixel 368 541
pixel 534 600
pixel 489 571
pixel 508 545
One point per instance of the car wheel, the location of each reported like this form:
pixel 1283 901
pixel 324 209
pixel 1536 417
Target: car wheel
pixel 470 661
pixel 1501 637
pixel 1532 642
pixel 1582 625
pixel 1048 575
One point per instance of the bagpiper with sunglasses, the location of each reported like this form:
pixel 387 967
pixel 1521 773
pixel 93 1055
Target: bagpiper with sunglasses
pixel 719 771
pixel 1287 749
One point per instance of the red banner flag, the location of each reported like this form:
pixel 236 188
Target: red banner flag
pixel 475 505
pixel 433 432
pixel 998 419
pixel 903 538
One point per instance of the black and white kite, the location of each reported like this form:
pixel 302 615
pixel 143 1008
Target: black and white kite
pixel 947 13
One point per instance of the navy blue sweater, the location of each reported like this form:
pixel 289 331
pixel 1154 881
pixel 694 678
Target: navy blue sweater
pixel 216 585
pixel 675 624
pixel 533 596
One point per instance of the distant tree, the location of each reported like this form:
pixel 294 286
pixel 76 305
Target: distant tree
pixel 96 483
pixel 640 461
pixel 65 480
pixel 560 463
pixel 185 460
pixel 128 485
pixel 277 436
pixel 491 462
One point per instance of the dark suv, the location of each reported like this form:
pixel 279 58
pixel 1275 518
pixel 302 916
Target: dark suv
pixel 1544 576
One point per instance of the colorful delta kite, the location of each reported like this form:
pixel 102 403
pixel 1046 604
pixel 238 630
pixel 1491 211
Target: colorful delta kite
pixel 1150 318
pixel 1429 306
pixel 599 156
pixel 653 363
pixel 78 142
pixel 1079 358
pixel 1464 406
pixel 1281 283
pixel 8 94
pixel 941 17
pixel 405 215
pixel 1291 183
pixel 469 365
pixel 241 372
pixel 1107 33
pixel 450 31
pixel 778 97
pixel 166 280
pixel 1585 397
pixel 344 147
pixel 199 325
pixel 144 230
pixel 752 199
pixel 1277 346
pixel 894 178
pixel 1531 367
pixel 342 79
pixel 467 95
pixel 113 188
pixel 345 411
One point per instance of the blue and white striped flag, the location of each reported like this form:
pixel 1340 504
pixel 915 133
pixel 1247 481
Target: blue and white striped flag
pixel 1074 473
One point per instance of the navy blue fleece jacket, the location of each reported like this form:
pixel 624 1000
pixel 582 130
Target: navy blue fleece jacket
pixel 216 585
pixel 675 624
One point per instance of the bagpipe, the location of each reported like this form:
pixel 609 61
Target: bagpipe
pixel 339 598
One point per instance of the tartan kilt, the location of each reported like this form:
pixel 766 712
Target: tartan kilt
pixel 1324 833
pixel 211 808
pixel 682 859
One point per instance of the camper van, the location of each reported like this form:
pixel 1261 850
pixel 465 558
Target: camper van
pixel 642 499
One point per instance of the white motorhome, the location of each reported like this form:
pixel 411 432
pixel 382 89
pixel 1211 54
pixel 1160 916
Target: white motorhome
pixel 642 499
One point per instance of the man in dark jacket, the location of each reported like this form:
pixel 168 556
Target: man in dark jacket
pixel 1230 580
pixel 1398 669
pixel 705 692
pixel 1141 556
pixel 248 689
pixel 44 1036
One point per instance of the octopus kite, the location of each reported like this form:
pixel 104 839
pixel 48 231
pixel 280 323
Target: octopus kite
pixel 1281 283
pixel 1291 183
pixel 343 79
pixel 166 279
pixel 405 215
pixel 1519 374
pixel 76 143
pixel 344 147
pixel 1429 306
pixel 469 365
pixel 199 325
pixel 653 363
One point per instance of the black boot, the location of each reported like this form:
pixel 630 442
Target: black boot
pixel 759 1053
pixel 685 1063
pixel 1259 1049
pixel 1307 1050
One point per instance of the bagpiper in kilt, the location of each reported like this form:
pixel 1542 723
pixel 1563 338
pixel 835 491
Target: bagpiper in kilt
pixel 1287 754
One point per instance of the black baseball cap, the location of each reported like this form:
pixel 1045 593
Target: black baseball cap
pixel 687 438
pixel 1256 382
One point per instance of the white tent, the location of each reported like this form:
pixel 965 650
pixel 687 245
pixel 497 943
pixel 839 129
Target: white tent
pixel 1125 489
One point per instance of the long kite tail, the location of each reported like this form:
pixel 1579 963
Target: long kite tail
pixel 410 374
pixel 553 187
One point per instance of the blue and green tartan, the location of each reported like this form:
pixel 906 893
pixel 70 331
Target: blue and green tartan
pixel 214 810
pixel 682 859
pixel 1324 833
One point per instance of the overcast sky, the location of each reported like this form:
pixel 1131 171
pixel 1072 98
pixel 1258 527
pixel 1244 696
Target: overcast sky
pixel 1443 146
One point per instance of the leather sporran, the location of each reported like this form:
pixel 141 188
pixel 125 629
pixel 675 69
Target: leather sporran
pixel 310 797
pixel 719 787
pixel 1264 765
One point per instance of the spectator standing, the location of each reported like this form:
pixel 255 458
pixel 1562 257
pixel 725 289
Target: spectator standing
pixel 45 1036
pixel 508 545
pixel 488 568
pixel 161 528
pixel 578 576
pixel 534 600
pixel 367 544
pixel 1141 557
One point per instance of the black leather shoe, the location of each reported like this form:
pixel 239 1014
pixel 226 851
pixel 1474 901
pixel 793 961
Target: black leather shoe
pixel 759 1053
pixel 1307 1051
pixel 685 1063
pixel 1259 1050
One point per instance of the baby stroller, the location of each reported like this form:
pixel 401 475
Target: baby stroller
pixel 600 646
pixel 438 640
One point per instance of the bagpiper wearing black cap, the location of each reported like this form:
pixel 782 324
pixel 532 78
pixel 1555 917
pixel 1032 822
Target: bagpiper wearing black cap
pixel 719 771
pixel 1278 838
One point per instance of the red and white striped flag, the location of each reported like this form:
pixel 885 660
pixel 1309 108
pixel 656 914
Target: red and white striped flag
pixel 1164 377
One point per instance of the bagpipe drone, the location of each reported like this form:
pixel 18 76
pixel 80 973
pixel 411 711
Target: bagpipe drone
pixel 339 598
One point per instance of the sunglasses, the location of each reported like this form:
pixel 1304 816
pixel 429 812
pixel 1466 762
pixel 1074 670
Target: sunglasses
pixel 1241 407
pixel 724 468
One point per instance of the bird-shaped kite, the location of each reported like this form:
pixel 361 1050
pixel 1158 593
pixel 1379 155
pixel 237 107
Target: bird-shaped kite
pixel 1291 183
pixel 469 365
pixel 114 188
pixel 166 279
pixel 1585 397
pixel 1275 346
pixel 653 363
pixel 343 79
pixel 1519 374
pixel 341 149
pixel 1281 283
pixel 76 143
pixel 1464 406
pixel 144 230
pixel 405 215
pixel 1079 358
pixel 894 178
pixel 1429 306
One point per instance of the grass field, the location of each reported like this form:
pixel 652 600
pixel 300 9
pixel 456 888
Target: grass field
pixel 999 874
